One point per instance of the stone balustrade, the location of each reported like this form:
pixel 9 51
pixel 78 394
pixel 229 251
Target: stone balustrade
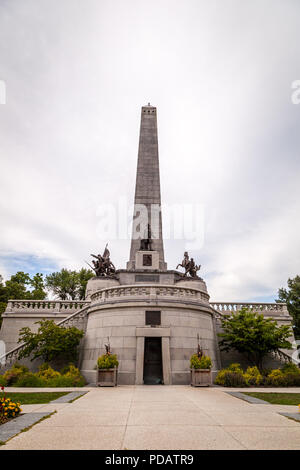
pixel 140 292
pixel 45 306
pixel 261 307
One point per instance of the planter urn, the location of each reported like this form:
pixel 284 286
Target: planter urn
pixel 201 377
pixel 107 377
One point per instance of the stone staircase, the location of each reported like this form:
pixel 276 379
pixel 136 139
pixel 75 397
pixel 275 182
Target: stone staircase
pixel 78 319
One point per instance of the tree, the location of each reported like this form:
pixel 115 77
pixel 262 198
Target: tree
pixel 51 342
pixel 16 286
pixel 83 276
pixel 21 286
pixel 37 284
pixel 292 298
pixel 253 335
pixel 67 284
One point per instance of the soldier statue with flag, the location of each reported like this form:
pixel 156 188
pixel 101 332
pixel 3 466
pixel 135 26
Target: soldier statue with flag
pixel 103 266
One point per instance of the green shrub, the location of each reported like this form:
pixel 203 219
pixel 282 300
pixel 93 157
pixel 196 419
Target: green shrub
pixel 3 382
pixel 291 379
pixel 253 376
pixel 233 376
pixel 266 371
pixel 107 361
pixel 46 372
pixel 72 371
pixel 67 368
pixel 290 367
pixel 203 363
pixel 30 380
pixel 227 378
pixel 66 381
pixel 23 368
pixel 276 378
pixel 220 378
pixel 45 377
pixel 12 375
pixel 73 374
pixel 235 367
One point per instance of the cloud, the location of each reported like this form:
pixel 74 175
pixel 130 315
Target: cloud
pixel 220 74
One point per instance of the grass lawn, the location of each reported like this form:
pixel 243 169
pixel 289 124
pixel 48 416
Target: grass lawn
pixel 33 398
pixel 277 398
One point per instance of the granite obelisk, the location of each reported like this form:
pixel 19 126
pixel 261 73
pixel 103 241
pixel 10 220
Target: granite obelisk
pixel 147 191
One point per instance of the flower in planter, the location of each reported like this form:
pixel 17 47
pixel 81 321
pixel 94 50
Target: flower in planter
pixel 202 362
pixel 107 361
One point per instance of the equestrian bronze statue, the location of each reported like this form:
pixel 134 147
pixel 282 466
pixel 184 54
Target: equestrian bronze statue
pixel 189 265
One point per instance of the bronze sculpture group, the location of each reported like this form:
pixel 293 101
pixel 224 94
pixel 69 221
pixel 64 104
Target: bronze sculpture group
pixel 189 265
pixel 103 266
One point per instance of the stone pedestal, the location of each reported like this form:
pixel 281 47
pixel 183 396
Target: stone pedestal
pixel 147 260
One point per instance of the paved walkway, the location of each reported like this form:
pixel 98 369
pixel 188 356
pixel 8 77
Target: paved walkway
pixel 160 417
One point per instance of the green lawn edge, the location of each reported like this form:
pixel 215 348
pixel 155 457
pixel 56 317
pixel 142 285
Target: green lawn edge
pixel 34 398
pixel 277 398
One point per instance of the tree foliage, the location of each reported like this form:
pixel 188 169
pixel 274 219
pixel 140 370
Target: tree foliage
pixel 51 342
pixel 21 286
pixel 69 285
pixel 65 284
pixel 292 298
pixel 253 335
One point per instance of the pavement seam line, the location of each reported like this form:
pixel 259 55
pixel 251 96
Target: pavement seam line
pixel 126 424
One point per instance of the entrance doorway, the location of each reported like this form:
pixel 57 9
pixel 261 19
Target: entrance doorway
pixel 153 373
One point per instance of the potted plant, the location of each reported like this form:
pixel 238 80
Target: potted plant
pixel 200 370
pixel 107 370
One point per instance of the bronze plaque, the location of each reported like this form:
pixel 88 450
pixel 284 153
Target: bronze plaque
pixel 147 260
pixel 153 317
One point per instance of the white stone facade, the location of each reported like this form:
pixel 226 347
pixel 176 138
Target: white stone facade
pixel 118 313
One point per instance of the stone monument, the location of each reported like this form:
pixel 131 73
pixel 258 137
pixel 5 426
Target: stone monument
pixel 153 316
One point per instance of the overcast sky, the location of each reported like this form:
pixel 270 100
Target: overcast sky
pixel 220 74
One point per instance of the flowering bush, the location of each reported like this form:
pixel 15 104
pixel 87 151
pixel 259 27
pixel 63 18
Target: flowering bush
pixel 31 380
pixel 290 367
pixel 3 382
pixel 70 377
pixel 235 367
pixel 234 376
pixel 228 378
pixel 20 376
pixel 253 376
pixel 107 361
pixel 12 375
pixel 200 363
pixel 276 378
pixel 46 372
pixel 8 409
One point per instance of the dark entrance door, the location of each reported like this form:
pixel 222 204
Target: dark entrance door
pixel 153 362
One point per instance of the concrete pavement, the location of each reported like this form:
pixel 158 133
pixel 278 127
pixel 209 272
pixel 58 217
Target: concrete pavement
pixel 160 417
